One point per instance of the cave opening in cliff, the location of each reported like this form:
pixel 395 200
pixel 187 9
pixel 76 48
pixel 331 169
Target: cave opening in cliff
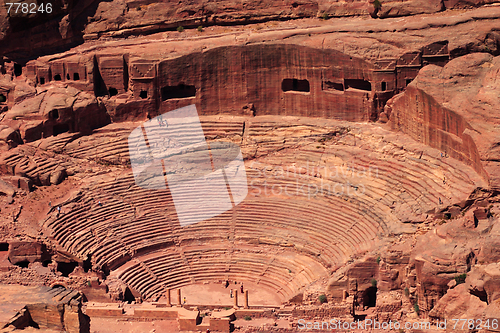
pixel 42 80
pixel 57 77
pixel 369 297
pixel 87 263
pixel 66 268
pixel 54 114
pixel 179 91
pixel 23 264
pixel 328 85
pixel 18 70
pixel 481 294
pixel 384 86
pixel 76 76
pixel 112 91
pixel 128 296
pixel 46 263
pixel 4 247
pixel 408 81
pixel 143 94
pixel 125 75
pixel 60 128
pixel 67 77
pixel 295 85
pixel 358 84
pixel 2 98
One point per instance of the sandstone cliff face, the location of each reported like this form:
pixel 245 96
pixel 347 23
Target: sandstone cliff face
pixel 409 7
pixel 245 84
pixel 73 21
pixel 478 297
pixel 227 78
pixel 55 110
pixel 57 309
pixel 413 7
pixel 278 71
pixel 26 35
pixel 454 109
pixel 27 252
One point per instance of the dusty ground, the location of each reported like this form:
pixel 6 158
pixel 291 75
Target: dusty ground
pixel 216 294
pixel 106 325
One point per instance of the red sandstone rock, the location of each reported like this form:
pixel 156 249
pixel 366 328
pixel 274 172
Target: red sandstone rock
pixel 6 189
pixel 243 74
pixel 409 7
pixel 457 303
pixel 23 91
pixel 62 108
pixel 57 176
pixel 25 184
pixel 27 251
pixel 10 136
pixel 464 91
pixel 484 282
pixel 67 25
pixel 453 252
pixel 49 309
pixel 478 297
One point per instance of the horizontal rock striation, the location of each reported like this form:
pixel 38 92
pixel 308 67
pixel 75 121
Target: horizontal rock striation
pixel 71 22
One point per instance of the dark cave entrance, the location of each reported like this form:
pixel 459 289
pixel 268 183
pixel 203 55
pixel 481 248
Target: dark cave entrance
pixel 179 91
pixel 113 91
pixel 18 70
pixel 58 286
pixel 66 268
pixel 295 85
pixel 57 77
pixel 54 114
pixel 128 296
pixel 369 297
pixel 87 264
pixel 358 84
pixel 23 264
pixel 4 247
pixel 60 128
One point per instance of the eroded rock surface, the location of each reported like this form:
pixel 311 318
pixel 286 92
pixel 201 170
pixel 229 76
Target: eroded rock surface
pixel 339 205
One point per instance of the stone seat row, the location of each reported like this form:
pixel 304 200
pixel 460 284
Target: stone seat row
pixel 286 275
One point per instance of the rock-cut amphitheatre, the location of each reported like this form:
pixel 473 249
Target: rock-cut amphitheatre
pixel 370 138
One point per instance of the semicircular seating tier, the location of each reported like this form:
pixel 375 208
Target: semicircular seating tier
pixel 313 205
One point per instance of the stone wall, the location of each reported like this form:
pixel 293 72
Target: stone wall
pixel 448 108
pixel 306 76
pixel 227 78
pixel 43 307
pixel 323 312
pixel 427 121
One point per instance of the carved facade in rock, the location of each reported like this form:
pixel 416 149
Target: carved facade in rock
pixel 278 79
